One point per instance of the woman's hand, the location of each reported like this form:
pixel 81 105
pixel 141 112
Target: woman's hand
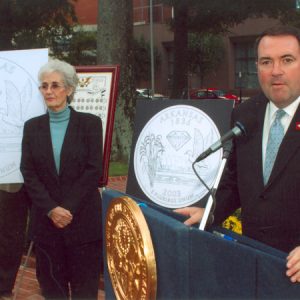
pixel 60 217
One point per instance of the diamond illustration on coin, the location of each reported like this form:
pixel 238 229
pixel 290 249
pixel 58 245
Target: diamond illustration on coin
pixel 165 150
pixel 178 139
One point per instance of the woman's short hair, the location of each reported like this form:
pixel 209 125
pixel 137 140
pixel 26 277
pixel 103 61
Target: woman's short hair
pixel 67 71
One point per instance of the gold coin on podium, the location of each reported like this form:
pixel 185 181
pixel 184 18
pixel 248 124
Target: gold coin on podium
pixel 130 254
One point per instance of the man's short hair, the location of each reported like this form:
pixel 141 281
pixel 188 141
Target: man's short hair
pixel 277 31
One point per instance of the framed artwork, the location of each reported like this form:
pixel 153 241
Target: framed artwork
pixel 97 94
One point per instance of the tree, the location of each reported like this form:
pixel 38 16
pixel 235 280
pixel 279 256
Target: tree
pixel 114 46
pixel 205 53
pixel 142 59
pixel 180 25
pixel 35 23
pixel 207 16
pixel 291 18
pixel 82 48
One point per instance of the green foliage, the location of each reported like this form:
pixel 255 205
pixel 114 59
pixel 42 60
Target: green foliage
pixel 35 23
pixel 82 48
pixel 82 51
pixel 291 18
pixel 217 16
pixel 118 169
pixel 142 61
pixel 205 53
pixel 237 214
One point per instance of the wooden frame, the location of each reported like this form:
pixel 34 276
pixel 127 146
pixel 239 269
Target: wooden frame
pixel 97 94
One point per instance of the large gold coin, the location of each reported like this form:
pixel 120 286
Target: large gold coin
pixel 130 253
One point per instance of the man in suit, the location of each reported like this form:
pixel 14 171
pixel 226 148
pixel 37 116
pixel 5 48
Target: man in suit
pixel 269 194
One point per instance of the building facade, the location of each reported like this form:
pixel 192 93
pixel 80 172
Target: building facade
pixel 237 72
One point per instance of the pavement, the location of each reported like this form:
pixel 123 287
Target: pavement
pixel 27 287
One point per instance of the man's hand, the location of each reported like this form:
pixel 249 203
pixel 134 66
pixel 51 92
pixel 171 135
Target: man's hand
pixel 195 214
pixel 60 217
pixel 293 265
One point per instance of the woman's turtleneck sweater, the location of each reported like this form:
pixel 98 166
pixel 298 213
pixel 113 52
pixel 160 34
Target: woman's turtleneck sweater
pixel 58 126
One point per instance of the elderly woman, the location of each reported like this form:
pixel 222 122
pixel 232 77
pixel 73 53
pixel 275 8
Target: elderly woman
pixel 61 164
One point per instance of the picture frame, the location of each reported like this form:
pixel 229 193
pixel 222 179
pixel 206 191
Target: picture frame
pixel 97 93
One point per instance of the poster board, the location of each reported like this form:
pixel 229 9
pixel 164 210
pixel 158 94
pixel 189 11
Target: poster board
pixel 168 137
pixel 97 94
pixel 20 100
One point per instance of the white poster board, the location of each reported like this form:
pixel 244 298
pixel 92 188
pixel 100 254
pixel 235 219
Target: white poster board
pixel 20 100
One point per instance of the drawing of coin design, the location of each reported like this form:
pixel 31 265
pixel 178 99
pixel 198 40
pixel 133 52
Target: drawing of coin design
pixel 18 102
pixel 130 254
pixel 165 150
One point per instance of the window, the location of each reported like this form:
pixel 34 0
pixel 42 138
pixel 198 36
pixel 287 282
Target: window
pixel 245 68
pixel 141 12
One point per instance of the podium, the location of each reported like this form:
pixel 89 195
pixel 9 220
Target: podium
pixel 194 264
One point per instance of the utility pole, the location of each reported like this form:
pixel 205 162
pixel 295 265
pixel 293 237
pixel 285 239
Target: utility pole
pixel 152 49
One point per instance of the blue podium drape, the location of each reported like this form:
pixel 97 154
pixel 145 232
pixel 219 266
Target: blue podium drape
pixel 194 264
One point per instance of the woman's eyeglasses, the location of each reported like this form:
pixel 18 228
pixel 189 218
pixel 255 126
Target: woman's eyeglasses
pixel 54 86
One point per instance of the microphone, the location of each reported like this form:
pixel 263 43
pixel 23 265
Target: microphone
pixel 237 130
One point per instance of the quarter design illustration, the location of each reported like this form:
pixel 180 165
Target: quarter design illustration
pixel 165 150
pixel 130 254
pixel 18 94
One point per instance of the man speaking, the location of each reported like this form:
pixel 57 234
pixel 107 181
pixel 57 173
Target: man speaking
pixel 263 171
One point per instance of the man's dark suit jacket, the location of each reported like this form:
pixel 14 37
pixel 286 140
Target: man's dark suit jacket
pixel 75 187
pixel 271 213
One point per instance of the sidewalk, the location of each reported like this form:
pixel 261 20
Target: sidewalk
pixel 28 288
pixel 117 183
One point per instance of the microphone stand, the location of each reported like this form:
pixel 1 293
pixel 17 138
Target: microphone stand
pixel 211 202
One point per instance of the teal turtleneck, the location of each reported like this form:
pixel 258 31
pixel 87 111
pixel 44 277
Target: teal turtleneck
pixel 58 126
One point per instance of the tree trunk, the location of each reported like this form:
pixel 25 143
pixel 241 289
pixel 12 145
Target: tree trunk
pixel 180 76
pixel 114 46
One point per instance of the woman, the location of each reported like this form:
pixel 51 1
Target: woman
pixel 61 165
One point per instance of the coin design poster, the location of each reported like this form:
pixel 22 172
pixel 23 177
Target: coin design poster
pixel 20 100
pixel 166 143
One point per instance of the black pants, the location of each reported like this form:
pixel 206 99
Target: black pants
pixel 13 220
pixel 64 271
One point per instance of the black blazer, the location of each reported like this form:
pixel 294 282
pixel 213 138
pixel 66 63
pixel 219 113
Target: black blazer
pixel 74 188
pixel 271 213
